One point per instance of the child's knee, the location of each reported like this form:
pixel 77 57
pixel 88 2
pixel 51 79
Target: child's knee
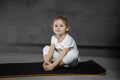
pixel 46 49
pixel 70 60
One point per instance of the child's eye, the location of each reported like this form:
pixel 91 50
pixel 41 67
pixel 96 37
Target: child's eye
pixel 61 25
pixel 56 25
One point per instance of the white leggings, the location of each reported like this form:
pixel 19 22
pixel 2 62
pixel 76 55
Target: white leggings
pixel 71 58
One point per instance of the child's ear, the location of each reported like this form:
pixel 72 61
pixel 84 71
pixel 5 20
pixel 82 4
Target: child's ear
pixel 68 29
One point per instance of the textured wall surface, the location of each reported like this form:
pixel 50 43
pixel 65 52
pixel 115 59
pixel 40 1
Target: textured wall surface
pixel 93 22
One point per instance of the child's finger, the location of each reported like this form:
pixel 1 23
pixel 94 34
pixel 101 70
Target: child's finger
pixel 46 69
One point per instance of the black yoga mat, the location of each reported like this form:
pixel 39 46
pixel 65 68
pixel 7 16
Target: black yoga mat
pixel 35 69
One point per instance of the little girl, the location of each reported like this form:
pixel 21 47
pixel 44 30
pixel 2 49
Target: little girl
pixel 63 50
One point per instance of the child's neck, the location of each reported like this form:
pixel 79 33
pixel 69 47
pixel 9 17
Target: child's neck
pixel 61 37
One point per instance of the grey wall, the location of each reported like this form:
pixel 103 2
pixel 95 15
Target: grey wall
pixel 94 23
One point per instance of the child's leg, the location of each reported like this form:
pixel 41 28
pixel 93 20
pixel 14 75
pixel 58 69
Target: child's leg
pixel 61 63
pixel 45 52
pixel 71 58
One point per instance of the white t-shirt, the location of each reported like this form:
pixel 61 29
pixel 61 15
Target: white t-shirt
pixel 68 42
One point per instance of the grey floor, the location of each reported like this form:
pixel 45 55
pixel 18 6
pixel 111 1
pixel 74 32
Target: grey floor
pixel 110 64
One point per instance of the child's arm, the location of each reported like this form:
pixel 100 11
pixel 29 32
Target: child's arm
pixel 60 58
pixel 50 53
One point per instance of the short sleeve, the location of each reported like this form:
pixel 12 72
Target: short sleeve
pixel 53 39
pixel 69 43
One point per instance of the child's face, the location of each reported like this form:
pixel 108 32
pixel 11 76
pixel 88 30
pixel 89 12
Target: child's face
pixel 59 27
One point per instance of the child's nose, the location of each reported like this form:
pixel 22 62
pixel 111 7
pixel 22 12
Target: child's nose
pixel 58 27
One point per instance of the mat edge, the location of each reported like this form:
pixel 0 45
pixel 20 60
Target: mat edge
pixel 34 75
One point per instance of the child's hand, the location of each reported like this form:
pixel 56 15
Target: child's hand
pixel 45 64
pixel 49 67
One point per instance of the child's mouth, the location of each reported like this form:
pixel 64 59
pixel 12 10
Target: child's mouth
pixel 58 30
